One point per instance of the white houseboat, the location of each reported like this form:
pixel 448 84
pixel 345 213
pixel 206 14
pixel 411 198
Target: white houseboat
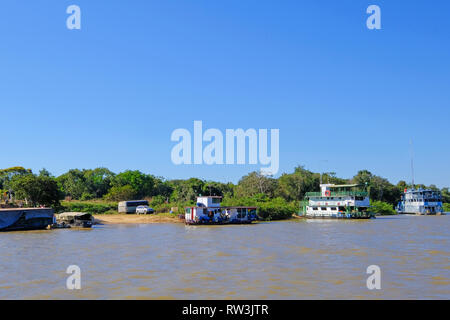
pixel 421 202
pixel 337 201
pixel 209 211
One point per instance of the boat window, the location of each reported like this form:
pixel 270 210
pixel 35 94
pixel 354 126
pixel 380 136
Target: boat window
pixel 239 212
pixel 333 208
pixel 188 210
pixel 215 200
pixel 323 209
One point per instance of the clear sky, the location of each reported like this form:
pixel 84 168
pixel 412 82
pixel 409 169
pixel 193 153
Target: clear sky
pixel 344 97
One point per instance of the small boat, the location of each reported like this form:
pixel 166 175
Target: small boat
pixel 15 219
pixel 209 211
pixel 75 219
pixel 337 202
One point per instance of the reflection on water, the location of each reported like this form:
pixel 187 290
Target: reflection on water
pixel 279 260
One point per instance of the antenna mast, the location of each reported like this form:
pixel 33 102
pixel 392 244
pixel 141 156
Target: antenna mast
pixel 412 163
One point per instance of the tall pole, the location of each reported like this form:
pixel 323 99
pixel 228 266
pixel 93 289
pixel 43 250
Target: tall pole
pixel 412 163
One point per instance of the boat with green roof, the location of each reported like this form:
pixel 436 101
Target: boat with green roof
pixel 350 201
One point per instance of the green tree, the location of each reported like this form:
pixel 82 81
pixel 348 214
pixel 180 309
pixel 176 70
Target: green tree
pixel 36 190
pixel 121 193
pixel 44 173
pixel 162 188
pixel 380 189
pixel 98 182
pixel 186 191
pixel 7 174
pixel 293 187
pixel 212 188
pixel 142 184
pixel 72 183
pixel 255 183
pixel 445 195
pixel 86 184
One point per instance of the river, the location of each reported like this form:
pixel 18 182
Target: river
pixel 300 259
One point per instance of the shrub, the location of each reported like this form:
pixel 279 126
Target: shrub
pixel 276 209
pixel 89 207
pixel 268 209
pixel 122 193
pixel 382 208
pixel 446 207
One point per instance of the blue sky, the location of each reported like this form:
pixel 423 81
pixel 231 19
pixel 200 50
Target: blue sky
pixel 344 97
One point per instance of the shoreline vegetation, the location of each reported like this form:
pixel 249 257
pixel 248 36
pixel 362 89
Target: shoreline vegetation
pixel 98 191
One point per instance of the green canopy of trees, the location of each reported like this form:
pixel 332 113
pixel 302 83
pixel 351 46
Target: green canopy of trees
pixel 252 189
pixel 36 190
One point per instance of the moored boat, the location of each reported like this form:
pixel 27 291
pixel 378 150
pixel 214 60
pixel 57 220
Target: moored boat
pixel 420 202
pixel 75 219
pixel 337 202
pixel 15 219
pixel 208 210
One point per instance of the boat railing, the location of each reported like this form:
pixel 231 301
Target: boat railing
pixel 338 194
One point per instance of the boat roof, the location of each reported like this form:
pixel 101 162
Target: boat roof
pixel 422 190
pixel 209 197
pixel 73 214
pixel 345 185
pixel 23 209
pixel 225 207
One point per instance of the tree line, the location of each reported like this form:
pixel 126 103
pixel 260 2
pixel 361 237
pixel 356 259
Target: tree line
pixel 287 191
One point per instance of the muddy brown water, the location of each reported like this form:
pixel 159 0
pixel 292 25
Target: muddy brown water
pixel 304 259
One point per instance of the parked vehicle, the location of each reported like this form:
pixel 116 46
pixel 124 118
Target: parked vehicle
pixel 144 210
pixel 130 206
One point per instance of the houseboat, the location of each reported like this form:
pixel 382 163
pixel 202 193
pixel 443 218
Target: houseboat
pixel 420 202
pixel 337 202
pixel 208 210
pixel 75 219
pixel 14 219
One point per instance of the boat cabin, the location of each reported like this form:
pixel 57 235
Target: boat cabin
pixel 421 202
pixel 337 201
pixel 208 210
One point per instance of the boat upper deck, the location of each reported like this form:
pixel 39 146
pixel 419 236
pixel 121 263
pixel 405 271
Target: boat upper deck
pixel 338 194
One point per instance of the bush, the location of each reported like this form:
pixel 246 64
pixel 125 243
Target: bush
pixel 276 209
pixel 89 207
pixel 157 201
pixel 446 207
pixel 122 193
pixel 382 208
pixel 268 209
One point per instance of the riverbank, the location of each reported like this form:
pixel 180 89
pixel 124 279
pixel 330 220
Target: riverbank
pixel 135 219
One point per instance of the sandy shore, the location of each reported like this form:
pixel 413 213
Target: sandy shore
pixel 134 219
